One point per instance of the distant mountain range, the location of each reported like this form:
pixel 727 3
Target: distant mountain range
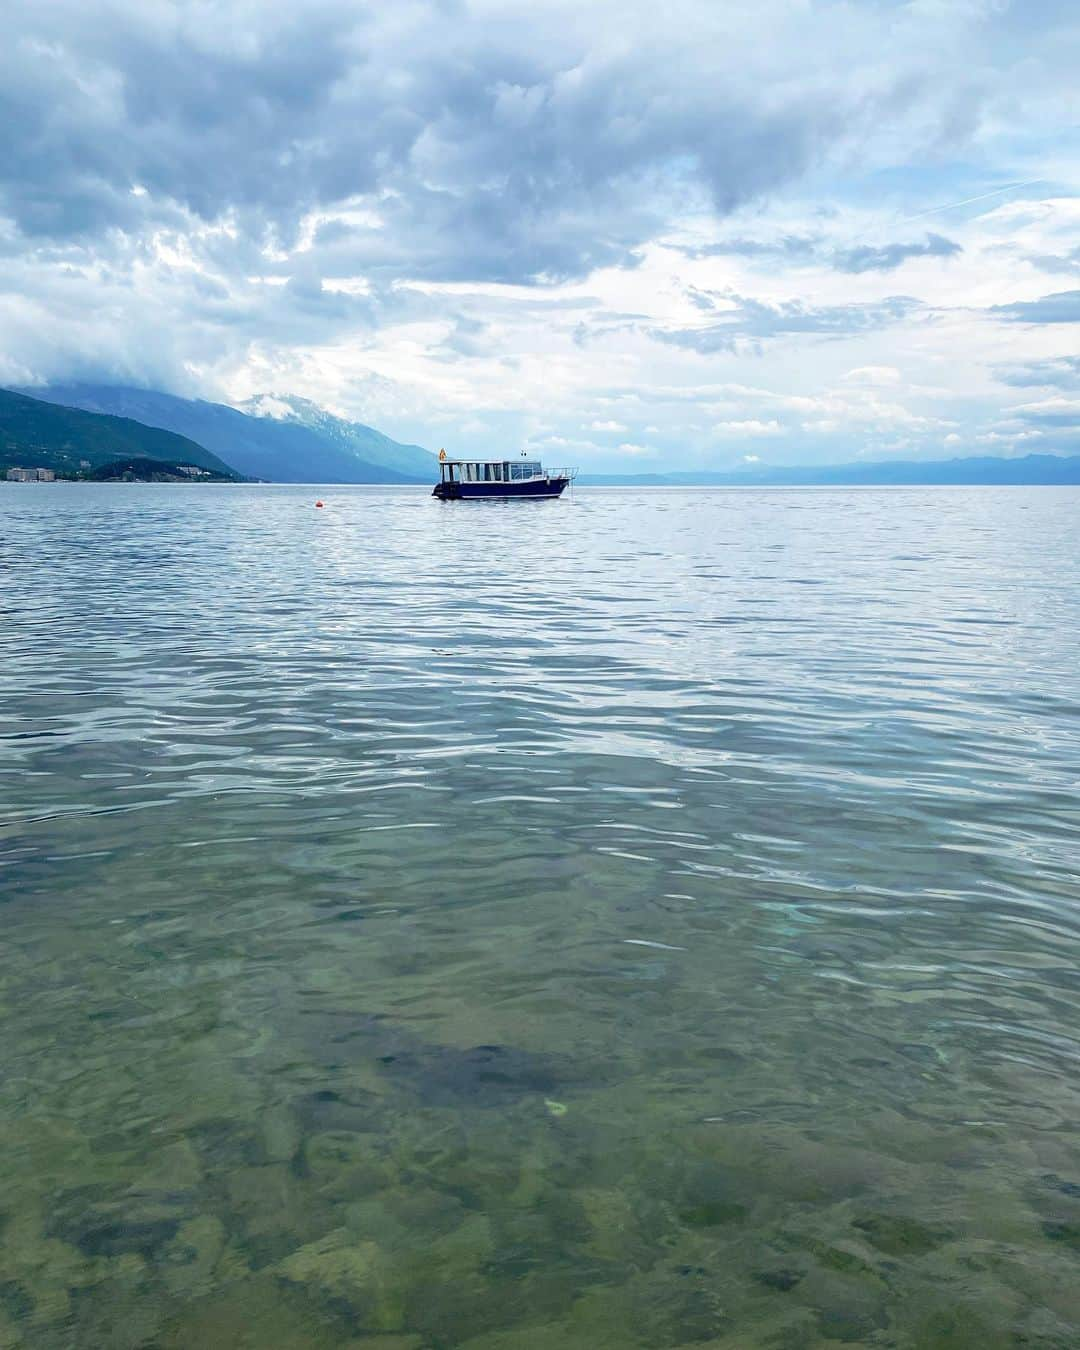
pixel 281 439
pixel 73 428
pixel 1029 470
pixel 37 434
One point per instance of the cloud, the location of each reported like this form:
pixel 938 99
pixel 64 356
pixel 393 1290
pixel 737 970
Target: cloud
pixel 1068 264
pixel 1062 307
pixel 751 427
pixel 458 214
pixel 888 257
pixel 1057 372
pixel 753 320
pixel 539 139
pixel 817 250
pixel 873 377
pixel 790 246
pixel 1051 412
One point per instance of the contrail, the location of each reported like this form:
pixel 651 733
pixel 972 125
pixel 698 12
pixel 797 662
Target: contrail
pixel 1009 187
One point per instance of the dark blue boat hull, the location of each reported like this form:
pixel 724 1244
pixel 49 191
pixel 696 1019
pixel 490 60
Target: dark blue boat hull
pixel 533 487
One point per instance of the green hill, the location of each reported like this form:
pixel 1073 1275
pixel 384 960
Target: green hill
pixel 37 435
pixel 142 470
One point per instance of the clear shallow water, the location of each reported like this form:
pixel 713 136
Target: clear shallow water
pixel 641 920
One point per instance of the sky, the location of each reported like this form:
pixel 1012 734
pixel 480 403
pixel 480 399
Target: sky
pixel 627 236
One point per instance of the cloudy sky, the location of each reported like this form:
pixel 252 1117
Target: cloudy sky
pixel 628 234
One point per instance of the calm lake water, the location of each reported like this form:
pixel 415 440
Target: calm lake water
pixel 639 920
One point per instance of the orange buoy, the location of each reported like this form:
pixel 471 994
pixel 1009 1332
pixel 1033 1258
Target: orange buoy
pixel 318 503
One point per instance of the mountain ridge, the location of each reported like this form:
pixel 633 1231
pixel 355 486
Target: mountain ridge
pixel 306 446
pixel 975 471
pixel 36 433
pixel 370 443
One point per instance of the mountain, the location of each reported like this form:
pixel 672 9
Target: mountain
pixel 1028 471
pixel 38 434
pixel 353 438
pixel 282 440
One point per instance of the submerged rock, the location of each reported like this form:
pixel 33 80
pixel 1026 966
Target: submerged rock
pixel 390 1056
pixel 278 1134
pixel 100 1222
pixel 335 1265
pixel 405 1217
pixel 339 1269
pixel 193 1255
pixel 1060 1231
pixel 485 1075
pixel 899 1236
pixel 345 1165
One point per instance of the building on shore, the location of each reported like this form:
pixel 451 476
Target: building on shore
pixel 15 475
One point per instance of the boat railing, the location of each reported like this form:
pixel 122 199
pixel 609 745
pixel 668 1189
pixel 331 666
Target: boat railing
pixel 571 474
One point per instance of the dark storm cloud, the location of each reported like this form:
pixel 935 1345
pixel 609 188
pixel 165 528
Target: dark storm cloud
pixel 1062 307
pixel 1060 372
pixel 755 321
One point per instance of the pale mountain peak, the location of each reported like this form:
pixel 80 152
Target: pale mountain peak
pixel 281 407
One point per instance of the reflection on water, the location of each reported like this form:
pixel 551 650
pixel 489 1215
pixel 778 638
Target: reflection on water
pixel 641 920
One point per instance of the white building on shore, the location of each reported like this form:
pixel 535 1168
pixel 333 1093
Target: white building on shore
pixel 31 476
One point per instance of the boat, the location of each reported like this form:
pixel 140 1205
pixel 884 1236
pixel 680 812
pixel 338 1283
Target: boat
pixel 472 479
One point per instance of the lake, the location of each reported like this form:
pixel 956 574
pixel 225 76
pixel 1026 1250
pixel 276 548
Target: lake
pixel 646 919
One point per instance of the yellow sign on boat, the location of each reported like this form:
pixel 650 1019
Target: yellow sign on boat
pixel 442 454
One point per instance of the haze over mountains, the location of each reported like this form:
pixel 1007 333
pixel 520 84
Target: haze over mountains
pixel 277 438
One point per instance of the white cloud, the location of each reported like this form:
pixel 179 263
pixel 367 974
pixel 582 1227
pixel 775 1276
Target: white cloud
pixel 873 377
pixel 753 427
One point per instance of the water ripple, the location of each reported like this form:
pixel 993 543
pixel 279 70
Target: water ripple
pixel 451 923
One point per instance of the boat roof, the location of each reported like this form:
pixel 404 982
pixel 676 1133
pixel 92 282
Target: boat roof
pixel 504 459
